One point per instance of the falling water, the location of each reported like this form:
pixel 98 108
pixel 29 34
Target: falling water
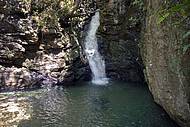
pixel 96 62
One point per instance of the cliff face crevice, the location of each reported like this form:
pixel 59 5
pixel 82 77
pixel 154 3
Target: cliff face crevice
pixel 167 67
pixel 119 36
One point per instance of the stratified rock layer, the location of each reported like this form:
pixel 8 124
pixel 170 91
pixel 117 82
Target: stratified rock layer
pixel 31 55
pixel 36 52
pixel 167 67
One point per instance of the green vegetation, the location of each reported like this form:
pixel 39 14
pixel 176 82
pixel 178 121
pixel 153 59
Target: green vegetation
pixel 48 12
pixel 180 10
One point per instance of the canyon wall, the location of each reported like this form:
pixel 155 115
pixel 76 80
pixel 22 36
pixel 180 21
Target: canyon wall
pixel 34 54
pixel 119 36
pixel 41 42
pixel 167 65
pixel 39 45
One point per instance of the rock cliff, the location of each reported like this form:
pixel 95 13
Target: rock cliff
pixel 41 42
pixel 167 66
pixel 119 36
pixel 38 45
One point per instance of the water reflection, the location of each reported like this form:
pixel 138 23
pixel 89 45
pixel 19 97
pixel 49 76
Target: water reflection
pixel 13 110
pixel 117 105
pixel 50 109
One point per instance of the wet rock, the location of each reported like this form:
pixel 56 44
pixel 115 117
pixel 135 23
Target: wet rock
pixel 21 78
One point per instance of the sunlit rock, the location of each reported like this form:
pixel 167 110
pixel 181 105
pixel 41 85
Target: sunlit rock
pixel 14 111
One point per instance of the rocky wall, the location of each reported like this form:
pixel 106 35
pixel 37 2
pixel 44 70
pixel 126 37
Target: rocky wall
pixel 167 66
pixel 35 55
pixel 119 36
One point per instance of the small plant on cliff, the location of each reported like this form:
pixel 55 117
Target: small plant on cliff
pixel 48 12
pixel 181 10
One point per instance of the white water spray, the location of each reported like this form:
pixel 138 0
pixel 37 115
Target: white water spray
pixel 96 62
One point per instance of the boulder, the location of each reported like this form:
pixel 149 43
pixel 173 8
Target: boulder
pixel 167 66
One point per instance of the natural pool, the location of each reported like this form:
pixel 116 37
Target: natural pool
pixel 83 105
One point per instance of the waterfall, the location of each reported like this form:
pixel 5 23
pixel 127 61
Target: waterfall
pixel 96 62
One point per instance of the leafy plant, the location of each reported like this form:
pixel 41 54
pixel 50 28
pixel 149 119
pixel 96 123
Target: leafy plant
pixel 185 48
pixel 180 9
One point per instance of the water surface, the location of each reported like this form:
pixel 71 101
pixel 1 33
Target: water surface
pixel 84 105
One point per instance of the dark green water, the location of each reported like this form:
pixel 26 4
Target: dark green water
pixel 84 105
